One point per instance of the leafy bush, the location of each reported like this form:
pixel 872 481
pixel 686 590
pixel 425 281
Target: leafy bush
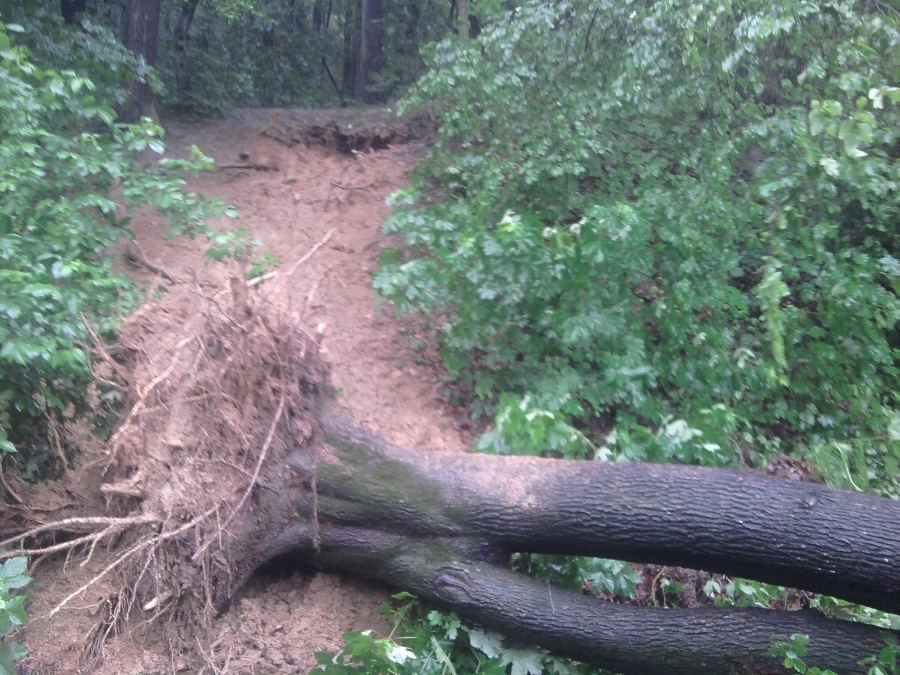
pixel 66 167
pixel 883 663
pixel 669 214
pixel 12 611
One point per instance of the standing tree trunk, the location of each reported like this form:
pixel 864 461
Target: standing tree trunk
pixel 370 48
pixel 318 15
pixel 462 19
pixel 71 8
pixel 412 36
pixel 182 40
pixel 141 32
pixel 352 32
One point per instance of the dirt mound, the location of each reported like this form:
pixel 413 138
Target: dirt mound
pixel 347 130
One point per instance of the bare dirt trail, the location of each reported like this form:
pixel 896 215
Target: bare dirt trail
pixel 293 200
pixel 326 204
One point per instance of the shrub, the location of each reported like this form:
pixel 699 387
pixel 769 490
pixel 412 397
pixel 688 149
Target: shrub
pixel 66 167
pixel 670 213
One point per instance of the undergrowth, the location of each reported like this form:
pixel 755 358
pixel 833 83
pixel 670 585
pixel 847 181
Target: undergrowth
pixel 70 176
pixel 678 220
pixel 13 580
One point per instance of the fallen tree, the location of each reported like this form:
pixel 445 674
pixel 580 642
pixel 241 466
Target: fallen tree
pixel 230 453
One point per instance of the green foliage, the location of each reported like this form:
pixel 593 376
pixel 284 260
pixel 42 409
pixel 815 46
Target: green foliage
pixel 793 651
pixel 12 605
pixel 68 175
pixel 841 609
pixel 434 643
pixel 745 593
pixel 601 574
pixel 249 53
pixel 674 216
pixel 887 661
pixel 92 51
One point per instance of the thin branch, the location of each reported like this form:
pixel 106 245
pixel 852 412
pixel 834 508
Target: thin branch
pixel 140 259
pixel 296 265
pixel 354 187
pixel 6 485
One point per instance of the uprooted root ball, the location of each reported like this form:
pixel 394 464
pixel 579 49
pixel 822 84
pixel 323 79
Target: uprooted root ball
pixel 212 399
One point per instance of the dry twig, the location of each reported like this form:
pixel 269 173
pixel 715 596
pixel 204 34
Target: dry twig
pixel 140 259
pixel 309 254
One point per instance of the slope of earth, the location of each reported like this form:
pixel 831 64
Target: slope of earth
pixel 311 185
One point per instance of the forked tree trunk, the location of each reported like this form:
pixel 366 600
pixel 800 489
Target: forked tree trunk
pixel 141 32
pixel 444 525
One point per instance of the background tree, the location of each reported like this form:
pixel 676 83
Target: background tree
pixel 182 39
pixel 370 51
pixel 71 8
pixel 141 33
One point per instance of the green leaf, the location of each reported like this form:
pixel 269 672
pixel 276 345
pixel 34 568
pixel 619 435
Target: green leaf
pixel 491 644
pixel 832 168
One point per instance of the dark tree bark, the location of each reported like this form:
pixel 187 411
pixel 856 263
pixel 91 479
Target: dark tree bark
pixel 370 48
pixel 71 8
pixel 318 15
pixel 182 40
pixel 411 48
pixel 352 32
pixel 141 32
pixel 444 525
pixel 462 19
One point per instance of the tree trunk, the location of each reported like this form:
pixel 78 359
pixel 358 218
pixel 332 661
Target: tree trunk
pixel 370 48
pixel 352 31
pixel 443 526
pixel 318 15
pixel 411 48
pixel 71 8
pixel 141 31
pixel 462 19
pixel 182 39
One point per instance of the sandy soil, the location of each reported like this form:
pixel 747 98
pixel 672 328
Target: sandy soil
pixel 295 199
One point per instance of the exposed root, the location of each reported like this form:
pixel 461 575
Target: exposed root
pixel 213 400
pixel 111 526
pixel 250 485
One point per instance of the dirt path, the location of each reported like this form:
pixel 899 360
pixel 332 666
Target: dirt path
pixel 327 205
